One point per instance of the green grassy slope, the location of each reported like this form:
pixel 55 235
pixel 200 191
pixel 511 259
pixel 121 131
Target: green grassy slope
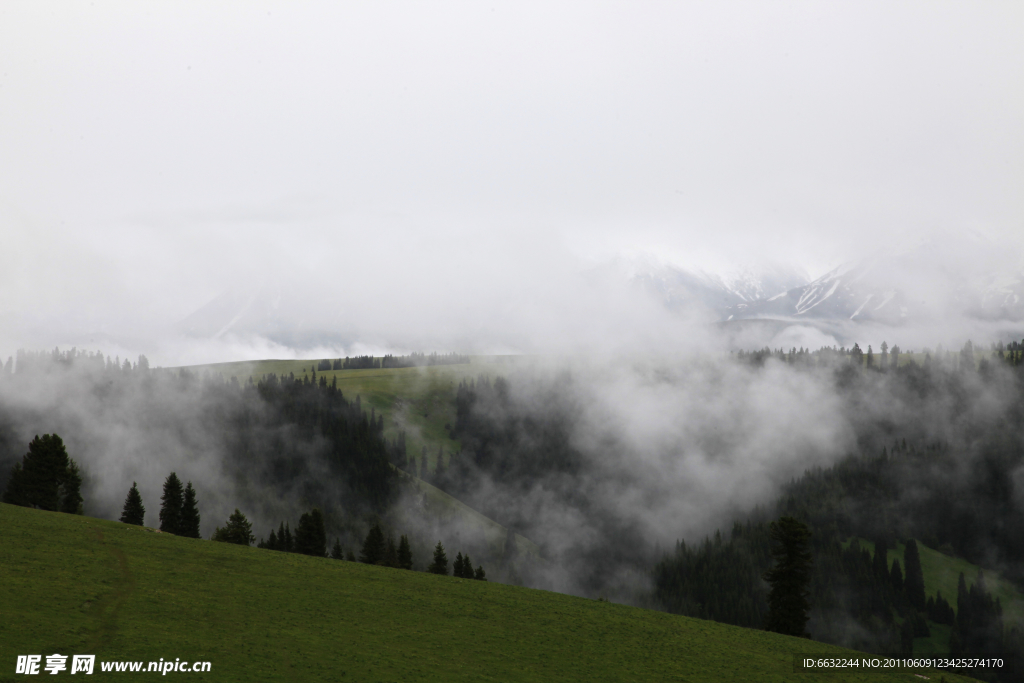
pixel 76 585
pixel 419 400
pixel 941 572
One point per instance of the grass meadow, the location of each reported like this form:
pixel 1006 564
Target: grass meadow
pixel 78 585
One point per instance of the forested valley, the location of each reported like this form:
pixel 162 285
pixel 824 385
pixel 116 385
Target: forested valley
pixel 624 503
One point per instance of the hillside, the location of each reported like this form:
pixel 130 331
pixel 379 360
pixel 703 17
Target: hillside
pixel 77 585
pixel 419 400
pixel 941 573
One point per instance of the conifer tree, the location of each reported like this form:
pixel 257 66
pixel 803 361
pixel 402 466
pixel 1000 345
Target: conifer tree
pixel 70 489
pixel 189 520
pixel 134 512
pixel 896 577
pixel 480 574
pixel 457 566
pixel 440 563
pixel 880 563
pixel 289 543
pixel 350 555
pixel 390 553
pixel 336 552
pixel 36 481
pixel 170 505
pixel 404 553
pixel 310 536
pixel 373 546
pixel 282 542
pixel 237 530
pixel 789 578
pixel 467 567
pixel 913 581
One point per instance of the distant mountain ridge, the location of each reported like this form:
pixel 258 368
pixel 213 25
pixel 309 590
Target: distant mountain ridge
pixel 942 284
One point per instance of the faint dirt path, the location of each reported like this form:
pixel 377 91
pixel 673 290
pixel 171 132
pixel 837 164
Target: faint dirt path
pixel 105 611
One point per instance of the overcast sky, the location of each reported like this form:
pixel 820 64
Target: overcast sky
pixel 154 154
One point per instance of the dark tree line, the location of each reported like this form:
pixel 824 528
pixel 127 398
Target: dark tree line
pixel 856 598
pixel 390 361
pixel 46 478
pixel 281 438
pixel 423 360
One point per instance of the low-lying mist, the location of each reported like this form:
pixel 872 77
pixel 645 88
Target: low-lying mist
pixel 599 461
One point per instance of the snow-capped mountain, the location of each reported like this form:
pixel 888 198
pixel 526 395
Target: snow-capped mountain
pixel 848 292
pixel 926 284
pixel 681 288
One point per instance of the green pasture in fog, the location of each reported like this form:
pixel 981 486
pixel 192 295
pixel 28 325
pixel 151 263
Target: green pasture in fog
pixel 78 585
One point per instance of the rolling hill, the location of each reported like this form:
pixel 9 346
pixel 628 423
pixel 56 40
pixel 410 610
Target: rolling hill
pixel 77 585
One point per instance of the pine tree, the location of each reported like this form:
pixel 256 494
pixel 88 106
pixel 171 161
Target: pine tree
pixel 913 581
pixel 390 553
pixel 272 541
pixel 36 481
pixel 336 552
pixel 310 536
pixel 789 578
pixel 880 563
pixel 134 512
pixel 284 538
pixel 404 553
pixel 896 577
pixel 70 489
pixel 467 567
pixel 457 567
pixel 237 530
pixel 440 563
pixel 189 519
pixel 480 574
pixel 373 546
pixel 170 505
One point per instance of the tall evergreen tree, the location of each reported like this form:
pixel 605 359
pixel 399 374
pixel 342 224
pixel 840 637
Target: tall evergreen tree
pixel 134 512
pixel 310 535
pixel 440 563
pixel 373 546
pixel 237 530
pixel 457 566
pixel 37 480
pixel 480 574
pixel 896 577
pixel 789 578
pixel 336 552
pixel 189 519
pixel 390 553
pixel 404 553
pixel 170 505
pixel 881 563
pixel 70 489
pixel 913 582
